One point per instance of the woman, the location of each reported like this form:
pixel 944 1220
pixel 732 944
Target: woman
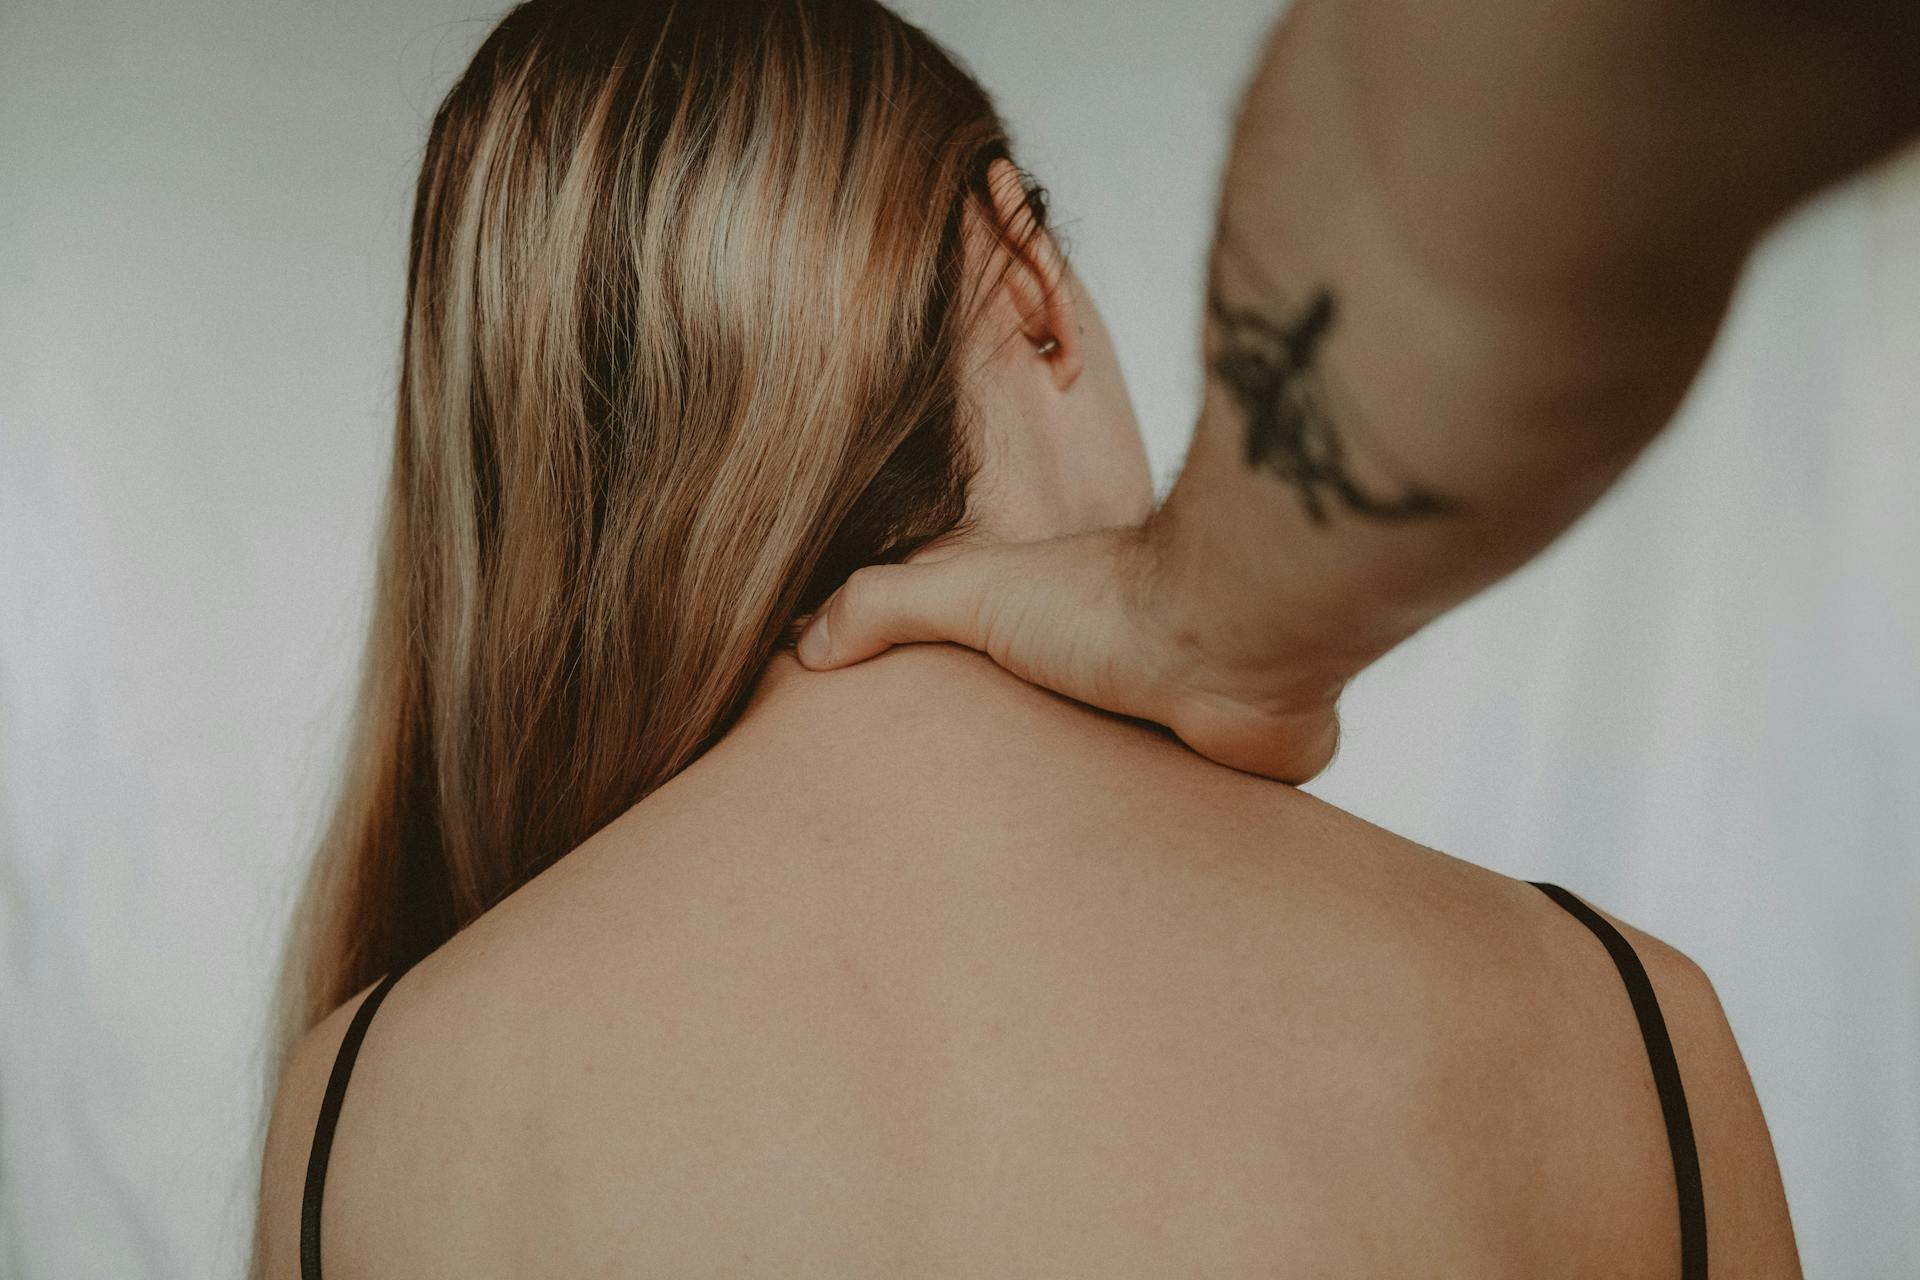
pixel 691 961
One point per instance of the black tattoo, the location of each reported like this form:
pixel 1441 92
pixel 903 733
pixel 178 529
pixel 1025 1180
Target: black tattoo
pixel 1267 363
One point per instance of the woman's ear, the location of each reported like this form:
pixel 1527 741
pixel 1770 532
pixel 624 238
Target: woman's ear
pixel 1035 284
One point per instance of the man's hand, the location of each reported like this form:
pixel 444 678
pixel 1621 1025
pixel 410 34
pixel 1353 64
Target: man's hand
pixel 1089 616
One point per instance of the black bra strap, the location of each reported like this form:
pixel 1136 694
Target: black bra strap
pixel 329 1117
pixel 1666 1079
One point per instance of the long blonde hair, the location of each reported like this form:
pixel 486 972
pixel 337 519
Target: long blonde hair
pixel 684 318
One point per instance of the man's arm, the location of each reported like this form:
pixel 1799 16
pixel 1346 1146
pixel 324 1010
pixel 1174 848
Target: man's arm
pixel 1468 259
pixel 1469 255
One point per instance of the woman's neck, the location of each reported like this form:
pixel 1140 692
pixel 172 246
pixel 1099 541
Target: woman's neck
pixel 959 689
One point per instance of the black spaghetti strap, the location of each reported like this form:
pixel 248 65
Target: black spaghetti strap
pixel 1666 1078
pixel 329 1117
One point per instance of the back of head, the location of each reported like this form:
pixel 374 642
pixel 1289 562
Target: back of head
pixel 685 311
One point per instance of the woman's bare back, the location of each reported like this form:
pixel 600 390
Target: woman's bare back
pixel 924 971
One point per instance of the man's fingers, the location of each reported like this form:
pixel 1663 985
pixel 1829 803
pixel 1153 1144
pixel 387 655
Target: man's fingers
pixel 1293 747
pixel 883 605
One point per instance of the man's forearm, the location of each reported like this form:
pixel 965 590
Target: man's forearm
pixel 1468 258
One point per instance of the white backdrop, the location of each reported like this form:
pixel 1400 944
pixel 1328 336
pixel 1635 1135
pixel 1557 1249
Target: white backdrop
pixel 1702 708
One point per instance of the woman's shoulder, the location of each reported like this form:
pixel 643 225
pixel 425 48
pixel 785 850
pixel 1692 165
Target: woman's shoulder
pixel 942 795
pixel 901 921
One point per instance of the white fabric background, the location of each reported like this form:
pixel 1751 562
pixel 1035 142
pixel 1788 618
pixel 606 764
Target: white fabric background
pixel 1702 708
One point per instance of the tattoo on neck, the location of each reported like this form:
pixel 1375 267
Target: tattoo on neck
pixel 1267 359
